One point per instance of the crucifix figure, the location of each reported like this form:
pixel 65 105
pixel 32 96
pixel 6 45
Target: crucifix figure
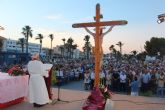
pixel 98 37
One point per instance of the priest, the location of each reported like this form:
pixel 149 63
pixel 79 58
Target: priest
pixel 38 94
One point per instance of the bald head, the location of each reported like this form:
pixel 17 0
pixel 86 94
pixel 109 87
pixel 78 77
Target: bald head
pixel 35 56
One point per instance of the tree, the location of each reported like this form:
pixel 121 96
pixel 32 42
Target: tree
pixel 51 39
pixel 40 37
pixel 73 48
pixel 141 56
pixel 21 41
pixel 63 40
pixel 115 52
pixel 87 46
pixel 120 44
pixel 63 47
pixel 155 46
pixel 134 52
pixel 111 48
pixel 70 43
pixel 27 32
pixel 70 47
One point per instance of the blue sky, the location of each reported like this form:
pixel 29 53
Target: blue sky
pixel 57 17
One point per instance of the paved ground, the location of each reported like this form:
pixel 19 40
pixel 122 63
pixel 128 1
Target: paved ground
pixel 75 85
pixel 74 93
pixel 125 102
pixel 75 98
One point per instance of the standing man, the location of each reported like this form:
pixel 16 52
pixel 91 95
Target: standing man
pixel 92 76
pixel 38 94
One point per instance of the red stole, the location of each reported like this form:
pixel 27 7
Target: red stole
pixel 48 83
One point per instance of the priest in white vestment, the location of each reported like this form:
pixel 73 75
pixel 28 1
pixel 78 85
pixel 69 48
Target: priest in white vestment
pixel 38 94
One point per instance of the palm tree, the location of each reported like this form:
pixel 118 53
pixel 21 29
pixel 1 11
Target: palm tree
pixel 63 46
pixel 27 32
pixel 21 41
pixel 120 44
pixel 87 45
pixel 134 52
pixel 63 40
pixel 51 38
pixel 115 52
pixel 73 48
pixel 70 43
pixel 40 37
pixel 111 47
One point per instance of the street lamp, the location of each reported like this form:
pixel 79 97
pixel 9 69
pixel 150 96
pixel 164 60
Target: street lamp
pixel 161 18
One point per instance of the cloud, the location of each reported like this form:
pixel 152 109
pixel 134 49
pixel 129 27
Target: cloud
pixel 54 17
pixel 75 20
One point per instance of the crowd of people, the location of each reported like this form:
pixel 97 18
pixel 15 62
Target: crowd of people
pixel 130 77
pixel 119 76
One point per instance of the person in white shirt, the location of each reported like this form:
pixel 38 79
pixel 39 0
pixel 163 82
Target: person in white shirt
pixel 123 81
pixel 145 81
pixel 92 76
pixel 108 80
pixel 102 78
pixel 38 94
pixel 86 80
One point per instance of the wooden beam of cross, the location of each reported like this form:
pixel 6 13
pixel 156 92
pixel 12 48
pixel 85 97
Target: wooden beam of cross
pixel 98 36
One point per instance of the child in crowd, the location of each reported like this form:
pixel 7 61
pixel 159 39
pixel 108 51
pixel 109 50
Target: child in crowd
pixel 134 87
pixel 86 80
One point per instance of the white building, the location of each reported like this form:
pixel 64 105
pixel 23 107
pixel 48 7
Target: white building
pixel 57 50
pixel 10 45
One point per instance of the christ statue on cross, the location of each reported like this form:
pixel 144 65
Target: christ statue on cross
pixel 98 37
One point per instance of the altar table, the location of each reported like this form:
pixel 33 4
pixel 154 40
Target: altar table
pixel 13 89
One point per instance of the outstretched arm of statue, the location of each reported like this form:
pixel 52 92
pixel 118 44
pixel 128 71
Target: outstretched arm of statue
pixel 110 29
pixel 91 33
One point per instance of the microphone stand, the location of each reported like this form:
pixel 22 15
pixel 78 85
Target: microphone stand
pixel 58 93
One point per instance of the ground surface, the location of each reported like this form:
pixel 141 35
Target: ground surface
pixel 75 94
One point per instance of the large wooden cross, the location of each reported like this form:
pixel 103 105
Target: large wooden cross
pixel 98 37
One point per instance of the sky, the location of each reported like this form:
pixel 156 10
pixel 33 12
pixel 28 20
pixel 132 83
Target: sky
pixel 57 16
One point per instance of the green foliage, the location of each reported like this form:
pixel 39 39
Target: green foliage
pixel 53 78
pixel 70 46
pixel 21 41
pixel 27 32
pixel 17 72
pixel 141 56
pixel 107 94
pixel 87 46
pixel 155 46
pixel 40 37
pixel 120 44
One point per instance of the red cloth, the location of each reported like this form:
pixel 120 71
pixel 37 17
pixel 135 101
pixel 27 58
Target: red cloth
pixel 13 102
pixel 48 84
pixel 95 101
